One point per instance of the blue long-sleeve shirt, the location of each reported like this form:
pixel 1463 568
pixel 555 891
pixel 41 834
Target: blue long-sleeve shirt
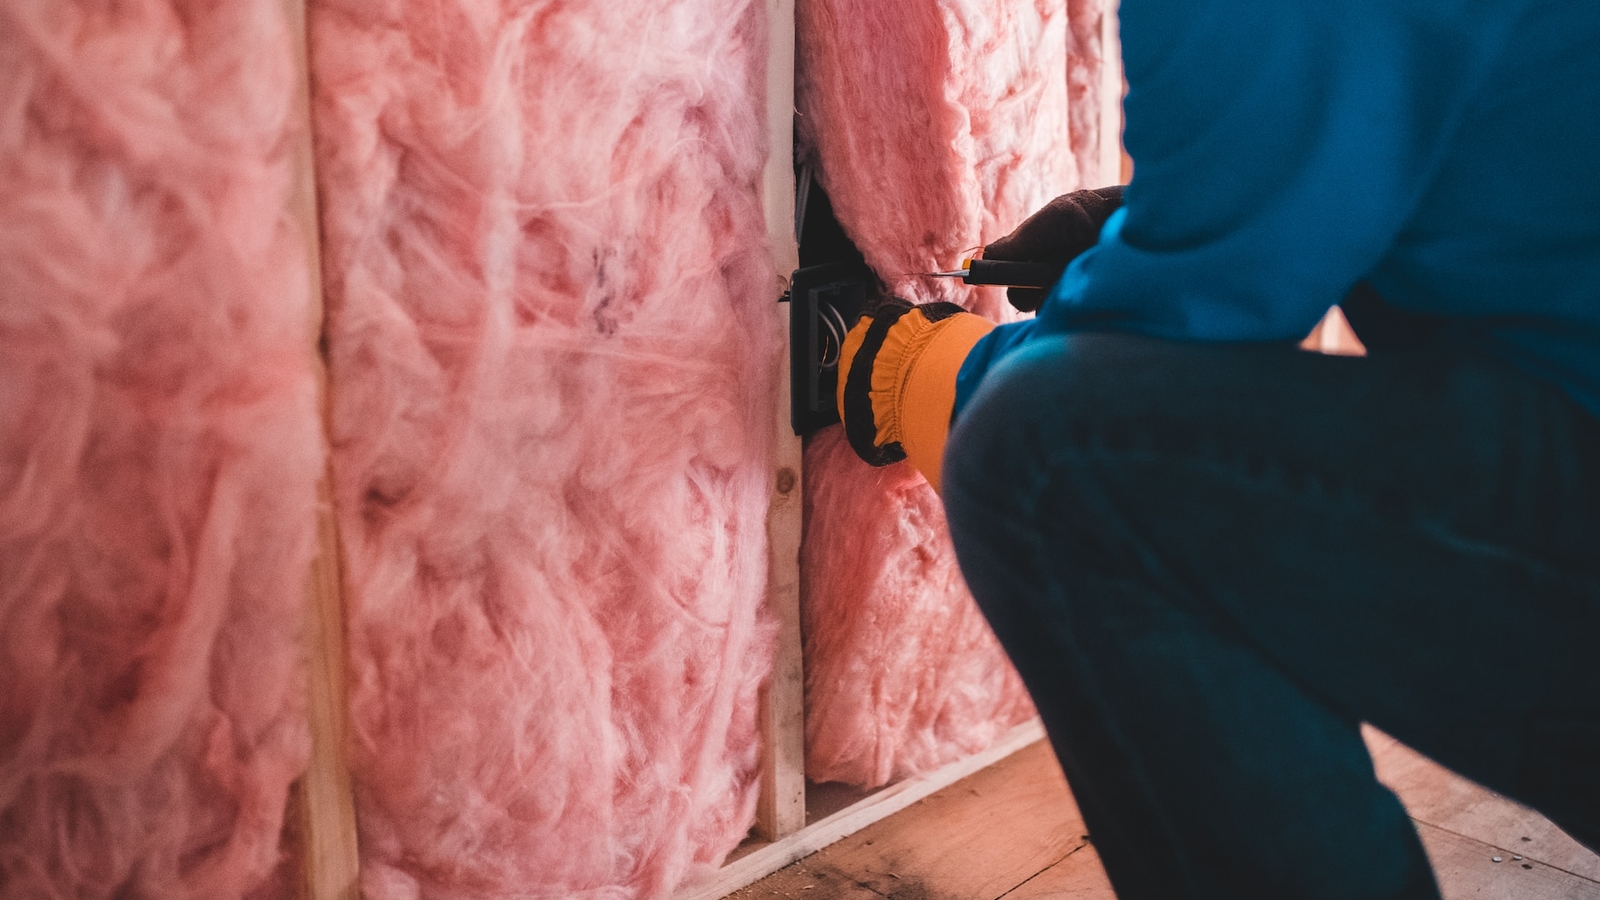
pixel 1445 152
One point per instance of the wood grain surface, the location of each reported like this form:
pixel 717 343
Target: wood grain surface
pixel 1013 831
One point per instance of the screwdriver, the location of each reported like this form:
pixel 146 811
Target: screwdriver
pixel 1006 273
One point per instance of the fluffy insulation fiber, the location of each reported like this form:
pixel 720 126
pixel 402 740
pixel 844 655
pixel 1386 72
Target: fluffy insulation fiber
pixel 552 343
pixel 159 449
pixel 936 126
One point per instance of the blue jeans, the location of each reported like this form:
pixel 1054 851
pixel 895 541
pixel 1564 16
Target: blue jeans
pixel 1212 562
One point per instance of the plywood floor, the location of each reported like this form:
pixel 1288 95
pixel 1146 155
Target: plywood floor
pixel 1012 831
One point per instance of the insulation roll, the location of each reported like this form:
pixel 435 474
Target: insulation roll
pixel 552 342
pixel 159 449
pixel 935 127
pixel 903 673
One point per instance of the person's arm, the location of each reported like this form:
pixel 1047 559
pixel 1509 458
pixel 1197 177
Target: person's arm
pixel 1279 150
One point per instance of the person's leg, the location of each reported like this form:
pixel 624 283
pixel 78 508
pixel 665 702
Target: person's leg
pixel 1210 563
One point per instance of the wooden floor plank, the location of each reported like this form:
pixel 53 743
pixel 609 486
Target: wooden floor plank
pixel 812 878
pixel 1078 877
pixel 1012 831
pixel 978 838
pixel 1438 797
pixel 1465 868
pixel 756 859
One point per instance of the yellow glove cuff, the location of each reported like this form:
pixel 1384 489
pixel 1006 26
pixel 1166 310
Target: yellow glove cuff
pixel 913 381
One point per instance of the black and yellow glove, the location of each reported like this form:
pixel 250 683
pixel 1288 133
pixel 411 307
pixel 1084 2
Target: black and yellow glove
pixel 898 366
pixel 897 380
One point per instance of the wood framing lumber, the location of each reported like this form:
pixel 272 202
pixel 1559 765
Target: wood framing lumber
pixel 1111 156
pixel 781 809
pixel 326 802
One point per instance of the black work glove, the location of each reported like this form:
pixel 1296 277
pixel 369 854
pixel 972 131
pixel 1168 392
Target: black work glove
pixel 1067 226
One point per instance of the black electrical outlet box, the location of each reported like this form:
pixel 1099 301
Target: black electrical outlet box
pixel 824 301
pixel 826 297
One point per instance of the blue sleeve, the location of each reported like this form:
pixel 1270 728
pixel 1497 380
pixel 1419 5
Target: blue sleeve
pixel 1279 149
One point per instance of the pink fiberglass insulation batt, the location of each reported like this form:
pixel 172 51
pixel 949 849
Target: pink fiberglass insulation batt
pixel 935 126
pixel 551 345
pixel 913 674
pixel 159 449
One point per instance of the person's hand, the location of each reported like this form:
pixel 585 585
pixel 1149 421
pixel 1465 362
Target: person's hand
pixel 897 380
pixel 1065 227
